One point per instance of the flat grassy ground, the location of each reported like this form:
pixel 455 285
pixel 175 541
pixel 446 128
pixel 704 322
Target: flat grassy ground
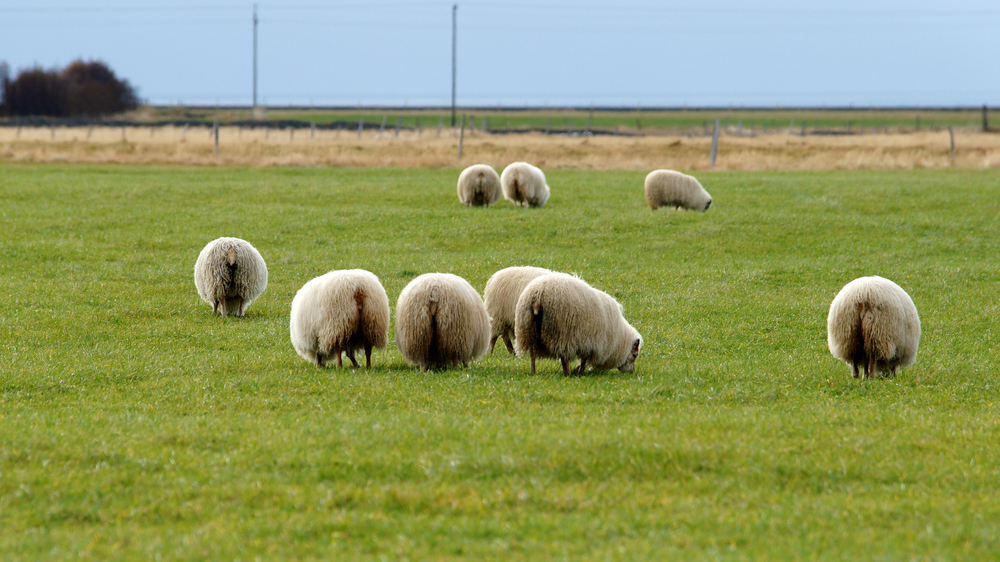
pixel 134 424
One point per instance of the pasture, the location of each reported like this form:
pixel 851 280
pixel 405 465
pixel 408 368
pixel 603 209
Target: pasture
pixel 136 425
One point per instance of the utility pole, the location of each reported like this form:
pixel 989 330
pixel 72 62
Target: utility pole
pixel 454 47
pixel 255 57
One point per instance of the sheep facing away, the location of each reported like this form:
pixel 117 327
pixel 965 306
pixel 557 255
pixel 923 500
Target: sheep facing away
pixel 479 185
pixel 229 275
pixel 500 297
pixel 873 324
pixel 667 188
pixel 524 185
pixel 340 311
pixel 561 316
pixel 441 322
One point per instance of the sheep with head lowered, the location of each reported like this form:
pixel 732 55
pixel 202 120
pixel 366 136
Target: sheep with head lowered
pixel 479 185
pixel 500 297
pixel 341 311
pixel 561 316
pixel 229 275
pixel 668 188
pixel 524 185
pixel 873 324
pixel 441 322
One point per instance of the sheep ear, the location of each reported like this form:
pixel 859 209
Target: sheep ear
pixel 635 346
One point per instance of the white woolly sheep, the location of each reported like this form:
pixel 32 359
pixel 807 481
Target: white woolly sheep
pixel 229 275
pixel 479 185
pixel 344 310
pixel 667 188
pixel 524 185
pixel 873 323
pixel 441 322
pixel 500 297
pixel 561 316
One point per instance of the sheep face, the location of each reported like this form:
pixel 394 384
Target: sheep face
pixel 629 364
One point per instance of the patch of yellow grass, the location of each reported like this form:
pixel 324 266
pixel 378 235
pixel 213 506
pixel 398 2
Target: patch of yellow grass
pixel 260 147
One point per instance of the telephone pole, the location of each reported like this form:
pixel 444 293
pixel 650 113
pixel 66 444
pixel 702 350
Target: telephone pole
pixel 454 46
pixel 255 57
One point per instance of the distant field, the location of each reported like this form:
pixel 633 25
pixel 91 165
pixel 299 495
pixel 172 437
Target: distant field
pixel 135 425
pixel 632 121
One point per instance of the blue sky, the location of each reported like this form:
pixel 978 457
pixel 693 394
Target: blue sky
pixel 545 52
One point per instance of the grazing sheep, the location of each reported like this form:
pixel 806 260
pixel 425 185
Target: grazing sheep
pixel 873 323
pixel 479 185
pixel 342 310
pixel 500 297
pixel 441 322
pixel 561 316
pixel 667 188
pixel 229 275
pixel 524 184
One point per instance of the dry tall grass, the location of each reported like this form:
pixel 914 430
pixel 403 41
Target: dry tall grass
pixel 260 147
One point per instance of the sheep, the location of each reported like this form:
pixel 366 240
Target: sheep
pixel 873 323
pixel 478 185
pixel 500 297
pixel 667 188
pixel 441 322
pixel 229 275
pixel 561 316
pixel 343 310
pixel 524 185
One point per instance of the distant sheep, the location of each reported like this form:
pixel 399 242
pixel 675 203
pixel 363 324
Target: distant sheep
pixel 667 188
pixel 561 316
pixel 344 310
pixel 500 297
pixel 229 275
pixel 873 323
pixel 479 185
pixel 524 185
pixel 441 322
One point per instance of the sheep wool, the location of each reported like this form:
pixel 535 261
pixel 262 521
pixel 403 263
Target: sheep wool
pixel 524 185
pixel 667 188
pixel 479 186
pixel 873 324
pixel 500 297
pixel 561 316
pixel 441 322
pixel 229 275
pixel 341 311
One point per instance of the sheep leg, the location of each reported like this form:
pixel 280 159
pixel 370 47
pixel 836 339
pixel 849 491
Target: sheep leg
pixel 319 360
pixel 336 351
pixel 350 355
pixel 583 365
pixel 507 342
pixel 215 307
pixel 493 341
pixel 872 372
pixel 565 365
pixel 222 307
pixel 854 370
pixel 239 311
pixel 532 363
pixel 368 356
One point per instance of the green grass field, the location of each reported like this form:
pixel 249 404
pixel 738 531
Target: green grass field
pixel 639 120
pixel 135 425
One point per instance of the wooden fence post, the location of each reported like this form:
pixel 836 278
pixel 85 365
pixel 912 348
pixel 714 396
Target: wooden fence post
pixel 986 122
pixel 951 139
pixel 399 121
pixel 381 128
pixel 461 137
pixel 715 142
pixel 215 134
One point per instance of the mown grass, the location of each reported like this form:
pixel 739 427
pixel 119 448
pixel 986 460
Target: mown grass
pixel 625 120
pixel 134 424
